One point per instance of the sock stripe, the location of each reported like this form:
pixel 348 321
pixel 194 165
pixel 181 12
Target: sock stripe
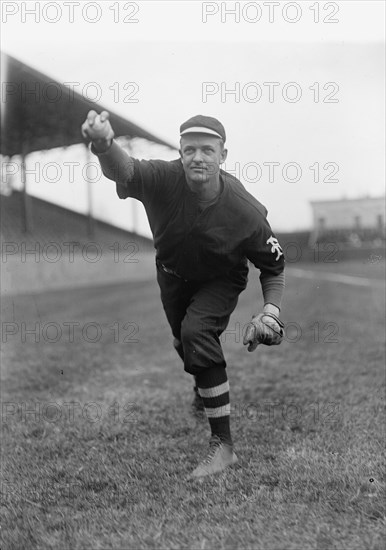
pixel 215 391
pixel 218 412
pixel 213 402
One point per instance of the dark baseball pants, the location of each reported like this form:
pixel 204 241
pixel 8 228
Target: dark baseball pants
pixel 198 313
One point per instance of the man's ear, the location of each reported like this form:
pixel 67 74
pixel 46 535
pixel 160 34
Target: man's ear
pixel 224 154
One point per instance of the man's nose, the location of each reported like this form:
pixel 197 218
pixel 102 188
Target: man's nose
pixel 197 157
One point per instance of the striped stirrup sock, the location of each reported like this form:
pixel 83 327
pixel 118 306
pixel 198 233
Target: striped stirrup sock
pixel 213 386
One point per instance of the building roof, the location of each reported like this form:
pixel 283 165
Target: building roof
pixel 345 200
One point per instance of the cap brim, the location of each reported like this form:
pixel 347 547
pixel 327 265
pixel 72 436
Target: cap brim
pixel 200 130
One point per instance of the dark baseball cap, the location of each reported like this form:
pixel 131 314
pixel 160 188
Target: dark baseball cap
pixel 201 124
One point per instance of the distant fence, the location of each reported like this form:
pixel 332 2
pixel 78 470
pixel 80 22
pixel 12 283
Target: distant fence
pixel 91 267
pixel 332 247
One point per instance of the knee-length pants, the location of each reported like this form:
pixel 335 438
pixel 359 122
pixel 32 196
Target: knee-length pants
pixel 198 313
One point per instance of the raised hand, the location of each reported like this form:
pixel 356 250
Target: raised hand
pixel 98 129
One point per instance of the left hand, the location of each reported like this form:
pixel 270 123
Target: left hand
pixel 265 328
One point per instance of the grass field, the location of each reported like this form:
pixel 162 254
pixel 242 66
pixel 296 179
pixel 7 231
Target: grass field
pixel 98 439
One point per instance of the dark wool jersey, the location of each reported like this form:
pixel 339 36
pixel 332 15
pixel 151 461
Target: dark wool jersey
pixel 201 244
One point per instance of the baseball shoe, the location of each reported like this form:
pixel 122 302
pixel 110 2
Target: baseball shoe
pixel 219 457
pixel 197 405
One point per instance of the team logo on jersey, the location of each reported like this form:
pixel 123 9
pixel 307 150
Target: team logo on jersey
pixel 275 248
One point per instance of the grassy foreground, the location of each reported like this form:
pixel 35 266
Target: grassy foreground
pixel 98 439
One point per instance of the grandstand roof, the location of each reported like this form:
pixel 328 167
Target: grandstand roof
pixel 41 113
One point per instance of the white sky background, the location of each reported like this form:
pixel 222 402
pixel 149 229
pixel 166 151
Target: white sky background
pixel 170 52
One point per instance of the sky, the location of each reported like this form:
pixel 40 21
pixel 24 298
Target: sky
pixel 299 87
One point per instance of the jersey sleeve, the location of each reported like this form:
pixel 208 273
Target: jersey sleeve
pixel 272 287
pixel 148 181
pixel 263 249
pixel 139 179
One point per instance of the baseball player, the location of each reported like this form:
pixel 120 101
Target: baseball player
pixel 206 227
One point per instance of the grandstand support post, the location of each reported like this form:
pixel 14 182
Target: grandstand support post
pixel 90 216
pixel 25 205
pixel 135 216
pixel 313 238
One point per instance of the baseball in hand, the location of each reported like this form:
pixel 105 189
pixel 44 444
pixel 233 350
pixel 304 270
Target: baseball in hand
pixel 97 127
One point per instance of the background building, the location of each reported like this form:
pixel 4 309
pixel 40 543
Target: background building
pixel 353 222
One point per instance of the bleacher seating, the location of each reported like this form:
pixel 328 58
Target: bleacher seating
pixel 53 223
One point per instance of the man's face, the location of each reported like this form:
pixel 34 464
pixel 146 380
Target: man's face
pixel 201 156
